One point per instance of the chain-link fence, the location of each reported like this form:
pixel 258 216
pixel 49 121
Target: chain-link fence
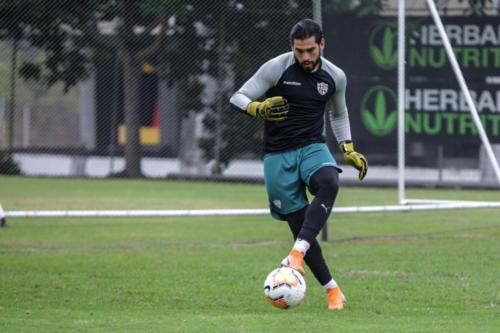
pixel 130 88
pixel 95 87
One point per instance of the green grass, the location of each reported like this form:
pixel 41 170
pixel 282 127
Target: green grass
pixel 401 272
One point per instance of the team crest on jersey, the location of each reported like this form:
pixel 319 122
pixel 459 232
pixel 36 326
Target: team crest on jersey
pixel 322 88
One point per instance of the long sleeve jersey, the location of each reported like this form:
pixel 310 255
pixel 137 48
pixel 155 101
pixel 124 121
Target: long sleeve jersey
pixel 309 95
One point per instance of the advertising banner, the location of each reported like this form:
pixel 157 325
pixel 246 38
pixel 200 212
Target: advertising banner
pixel 436 111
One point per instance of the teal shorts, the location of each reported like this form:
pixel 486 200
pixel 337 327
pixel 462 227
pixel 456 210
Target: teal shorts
pixel 287 174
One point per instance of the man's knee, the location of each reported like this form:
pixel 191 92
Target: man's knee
pixel 325 182
pixel 330 185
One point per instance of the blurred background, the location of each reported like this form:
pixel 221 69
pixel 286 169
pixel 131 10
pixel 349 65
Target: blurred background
pixel 128 88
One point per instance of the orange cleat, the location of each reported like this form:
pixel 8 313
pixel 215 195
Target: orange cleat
pixel 336 299
pixel 294 260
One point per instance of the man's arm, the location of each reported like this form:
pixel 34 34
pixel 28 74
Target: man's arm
pixel 263 80
pixel 338 115
pixel 339 119
pixel 245 99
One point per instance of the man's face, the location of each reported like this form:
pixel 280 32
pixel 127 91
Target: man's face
pixel 307 52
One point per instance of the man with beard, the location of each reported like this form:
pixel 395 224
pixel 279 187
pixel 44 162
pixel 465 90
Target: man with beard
pixel 299 86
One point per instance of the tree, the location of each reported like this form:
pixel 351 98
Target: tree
pixel 361 7
pixel 68 33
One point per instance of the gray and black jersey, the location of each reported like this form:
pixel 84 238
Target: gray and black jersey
pixel 309 95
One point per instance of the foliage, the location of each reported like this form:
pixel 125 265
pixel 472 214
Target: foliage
pixel 7 165
pixel 361 7
pixel 475 7
pixel 66 30
pixel 50 25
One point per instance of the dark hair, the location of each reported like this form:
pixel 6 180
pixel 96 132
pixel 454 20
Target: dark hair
pixel 306 28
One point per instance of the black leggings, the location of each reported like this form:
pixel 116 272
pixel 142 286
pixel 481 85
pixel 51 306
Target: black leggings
pixel 307 222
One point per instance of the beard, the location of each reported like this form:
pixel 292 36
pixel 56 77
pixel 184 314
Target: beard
pixel 309 65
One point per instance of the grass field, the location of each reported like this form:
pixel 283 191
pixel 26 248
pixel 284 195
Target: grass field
pixel 401 272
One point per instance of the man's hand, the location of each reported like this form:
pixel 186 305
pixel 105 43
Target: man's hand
pixel 271 109
pixel 355 159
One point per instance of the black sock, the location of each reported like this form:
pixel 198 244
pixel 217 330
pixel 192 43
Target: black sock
pixel 314 257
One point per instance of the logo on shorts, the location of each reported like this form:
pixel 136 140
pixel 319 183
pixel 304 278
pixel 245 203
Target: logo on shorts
pixel 277 203
pixel 322 88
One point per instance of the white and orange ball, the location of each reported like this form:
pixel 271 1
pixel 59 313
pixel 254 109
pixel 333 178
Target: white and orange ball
pixel 284 287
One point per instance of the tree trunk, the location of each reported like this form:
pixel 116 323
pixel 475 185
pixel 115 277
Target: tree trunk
pixel 132 76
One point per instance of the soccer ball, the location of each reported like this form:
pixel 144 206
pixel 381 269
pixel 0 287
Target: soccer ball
pixel 284 287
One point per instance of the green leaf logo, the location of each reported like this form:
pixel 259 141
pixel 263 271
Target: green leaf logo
pixel 383 46
pixel 378 110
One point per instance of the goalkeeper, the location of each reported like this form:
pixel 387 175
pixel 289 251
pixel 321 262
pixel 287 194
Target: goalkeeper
pixel 298 88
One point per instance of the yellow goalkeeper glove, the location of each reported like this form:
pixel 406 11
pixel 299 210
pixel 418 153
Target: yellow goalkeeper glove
pixel 354 158
pixel 271 109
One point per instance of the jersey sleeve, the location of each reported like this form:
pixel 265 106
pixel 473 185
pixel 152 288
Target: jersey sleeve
pixel 264 79
pixel 337 109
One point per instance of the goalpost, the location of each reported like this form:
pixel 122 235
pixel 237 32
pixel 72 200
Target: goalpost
pixel 404 204
pixel 401 103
